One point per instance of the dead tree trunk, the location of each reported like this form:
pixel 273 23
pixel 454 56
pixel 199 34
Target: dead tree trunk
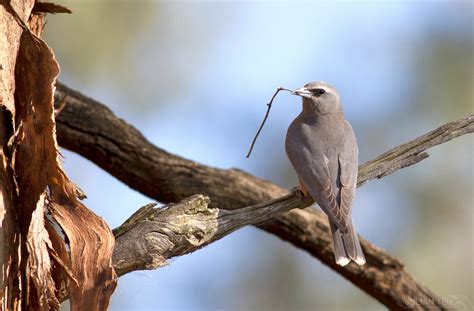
pixel 37 261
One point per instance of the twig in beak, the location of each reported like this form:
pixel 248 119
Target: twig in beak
pixel 266 116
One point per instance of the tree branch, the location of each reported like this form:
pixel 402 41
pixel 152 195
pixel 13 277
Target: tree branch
pixel 92 130
pixel 152 235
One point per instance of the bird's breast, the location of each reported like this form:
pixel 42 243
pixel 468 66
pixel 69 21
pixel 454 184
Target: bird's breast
pixel 322 132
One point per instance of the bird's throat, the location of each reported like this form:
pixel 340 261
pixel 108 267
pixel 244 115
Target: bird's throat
pixel 312 109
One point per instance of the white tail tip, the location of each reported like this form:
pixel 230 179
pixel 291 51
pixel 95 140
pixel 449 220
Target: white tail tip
pixel 343 261
pixel 360 261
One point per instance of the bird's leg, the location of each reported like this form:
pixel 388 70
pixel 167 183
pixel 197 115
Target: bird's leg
pixel 300 190
pixel 303 188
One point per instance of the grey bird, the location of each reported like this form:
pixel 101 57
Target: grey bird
pixel 322 149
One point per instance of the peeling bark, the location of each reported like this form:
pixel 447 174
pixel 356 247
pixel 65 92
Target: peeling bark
pixel 39 265
pixel 34 259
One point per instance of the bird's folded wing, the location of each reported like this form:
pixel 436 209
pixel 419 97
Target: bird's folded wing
pixel 348 177
pixel 335 212
pixel 316 176
pixel 348 170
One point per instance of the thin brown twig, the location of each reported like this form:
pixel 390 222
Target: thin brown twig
pixel 265 118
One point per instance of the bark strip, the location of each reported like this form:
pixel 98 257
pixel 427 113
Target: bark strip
pixel 32 183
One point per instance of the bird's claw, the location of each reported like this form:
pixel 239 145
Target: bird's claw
pixel 302 195
pixel 298 192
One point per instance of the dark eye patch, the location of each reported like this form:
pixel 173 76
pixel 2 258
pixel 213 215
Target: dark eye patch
pixel 318 92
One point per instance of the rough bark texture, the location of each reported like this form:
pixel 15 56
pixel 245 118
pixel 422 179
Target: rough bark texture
pixel 10 33
pixel 92 130
pixel 13 249
pixel 152 235
pixel 34 259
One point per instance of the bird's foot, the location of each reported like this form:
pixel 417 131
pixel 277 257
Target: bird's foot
pixel 300 193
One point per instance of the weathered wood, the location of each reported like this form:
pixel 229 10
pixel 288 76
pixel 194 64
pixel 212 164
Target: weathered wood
pixel 33 256
pixel 92 130
pixel 153 235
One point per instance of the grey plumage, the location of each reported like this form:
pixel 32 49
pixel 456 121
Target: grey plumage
pixel 322 148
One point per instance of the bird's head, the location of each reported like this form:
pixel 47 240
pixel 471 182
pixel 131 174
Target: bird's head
pixel 319 98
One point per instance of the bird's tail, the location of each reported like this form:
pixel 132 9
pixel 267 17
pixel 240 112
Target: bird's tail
pixel 347 245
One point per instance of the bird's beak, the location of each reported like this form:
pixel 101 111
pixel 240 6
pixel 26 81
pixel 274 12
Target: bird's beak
pixel 303 92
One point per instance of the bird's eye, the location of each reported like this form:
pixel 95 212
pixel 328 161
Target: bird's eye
pixel 318 92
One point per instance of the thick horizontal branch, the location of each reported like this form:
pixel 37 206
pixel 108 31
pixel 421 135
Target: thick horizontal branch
pixel 153 235
pixel 92 130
